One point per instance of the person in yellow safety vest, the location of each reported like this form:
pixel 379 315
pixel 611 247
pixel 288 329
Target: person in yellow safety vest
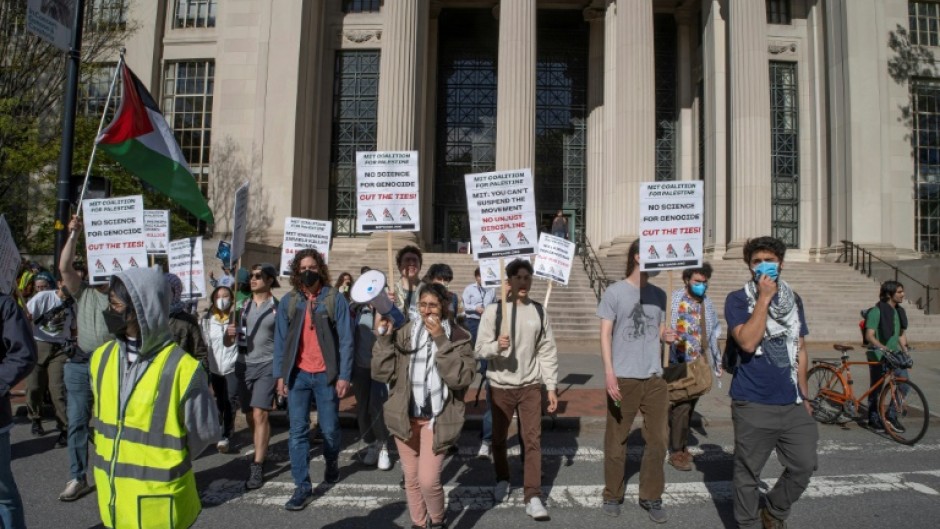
pixel 153 412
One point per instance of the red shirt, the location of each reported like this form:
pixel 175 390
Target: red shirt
pixel 310 358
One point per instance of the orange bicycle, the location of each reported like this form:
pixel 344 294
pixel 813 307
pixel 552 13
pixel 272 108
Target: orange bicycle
pixel 900 400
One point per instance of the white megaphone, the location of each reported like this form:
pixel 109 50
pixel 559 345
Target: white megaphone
pixel 370 288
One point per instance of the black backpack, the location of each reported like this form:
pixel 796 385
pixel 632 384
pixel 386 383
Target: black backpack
pixel 538 307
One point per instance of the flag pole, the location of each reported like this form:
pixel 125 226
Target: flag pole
pixel 104 115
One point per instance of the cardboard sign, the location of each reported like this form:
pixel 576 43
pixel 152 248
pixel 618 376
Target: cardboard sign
pixel 9 258
pixel 240 222
pixel 554 259
pixel 51 20
pixel 114 236
pixel 157 230
pixel 185 261
pixel 671 218
pixel 300 234
pixel 387 191
pixel 501 206
pixel 224 253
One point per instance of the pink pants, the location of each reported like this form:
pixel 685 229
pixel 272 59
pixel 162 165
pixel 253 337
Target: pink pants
pixel 422 469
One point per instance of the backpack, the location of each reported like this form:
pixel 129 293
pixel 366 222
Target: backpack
pixel 538 308
pixel 731 357
pixel 861 324
pixel 329 301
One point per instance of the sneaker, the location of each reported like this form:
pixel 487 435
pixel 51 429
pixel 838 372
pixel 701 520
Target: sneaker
pixel 74 490
pixel 876 426
pixel 37 428
pixel 896 425
pixel 770 521
pixel 385 462
pixel 331 474
pixel 63 439
pixel 371 457
pixel 255 476
pixel 679 461
pixel 536 509
pixel 655 508
pixel 484 452
pixel 222 445
pixel 501 491
pixel 438 525
pixel 612 508
pixel 299 500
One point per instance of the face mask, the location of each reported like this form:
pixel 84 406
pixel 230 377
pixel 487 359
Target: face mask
pixel 699 289
pixel 223 304
pixel 309 278
pixel 115 322
pixel 771 270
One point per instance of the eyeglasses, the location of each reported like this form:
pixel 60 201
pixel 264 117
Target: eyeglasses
pixel 429 306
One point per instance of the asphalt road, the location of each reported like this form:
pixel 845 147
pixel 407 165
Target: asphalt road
pixel 864 480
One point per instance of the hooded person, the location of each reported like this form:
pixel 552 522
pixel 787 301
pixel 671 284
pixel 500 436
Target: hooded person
pixel 184 326
pixel 152 406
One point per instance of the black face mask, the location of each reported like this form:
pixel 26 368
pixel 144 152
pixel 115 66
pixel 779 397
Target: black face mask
pixel 115 321
pixel 309 278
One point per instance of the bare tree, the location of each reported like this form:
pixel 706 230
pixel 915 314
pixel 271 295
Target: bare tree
pixel 232 167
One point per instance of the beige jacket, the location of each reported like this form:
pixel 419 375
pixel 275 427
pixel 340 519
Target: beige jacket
pixel 525 362
pixel 456 365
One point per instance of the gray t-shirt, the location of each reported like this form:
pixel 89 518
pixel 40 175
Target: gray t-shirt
pixel 259 323
pixel 92 330
pixel 637 315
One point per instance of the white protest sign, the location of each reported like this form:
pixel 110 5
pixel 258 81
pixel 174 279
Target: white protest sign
pixel 387 191
pixel 489 272
pixel 239 222
pixel 554 259
pixel 51 20
pixel 114 236
pixel 157 230
pixel 185 261
pixel 671 216
pixel 9 258
pixel 501 207
pixel 300 234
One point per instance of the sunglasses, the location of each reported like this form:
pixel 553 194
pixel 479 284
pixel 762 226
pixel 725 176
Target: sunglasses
pixel 257 275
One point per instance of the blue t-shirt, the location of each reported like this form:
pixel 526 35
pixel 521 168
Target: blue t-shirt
pixel 763 379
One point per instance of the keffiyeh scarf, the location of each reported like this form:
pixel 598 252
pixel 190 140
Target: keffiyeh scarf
pixel 427 388
pixel 781 341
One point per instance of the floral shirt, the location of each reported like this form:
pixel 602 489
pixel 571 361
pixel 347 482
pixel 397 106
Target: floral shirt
pixel 687 321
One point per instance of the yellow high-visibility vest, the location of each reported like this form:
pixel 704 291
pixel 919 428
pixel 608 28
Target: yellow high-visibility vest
pixel 143 471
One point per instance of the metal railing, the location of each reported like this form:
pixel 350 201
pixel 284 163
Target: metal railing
pixel 592 265
pixel 862 259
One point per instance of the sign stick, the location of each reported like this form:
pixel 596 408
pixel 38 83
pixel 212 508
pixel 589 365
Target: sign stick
pixel 668 319
pixel 391 261
pixel 238 266
pixel 548 294
pixel 502 299
pixel 153 260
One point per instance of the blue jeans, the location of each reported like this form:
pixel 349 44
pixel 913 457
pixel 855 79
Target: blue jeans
pixel 307 387
pixel 875 372
pixel 11 505
pixel 78 410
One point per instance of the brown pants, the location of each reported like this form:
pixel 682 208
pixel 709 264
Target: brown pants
pixel 48 373
pixel 650 398
pixel 528 401
pixel 680 420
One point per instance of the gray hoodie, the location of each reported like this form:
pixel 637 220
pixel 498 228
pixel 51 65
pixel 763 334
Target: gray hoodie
pixel 151 299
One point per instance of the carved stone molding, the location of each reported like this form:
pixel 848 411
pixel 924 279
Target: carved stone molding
pixel 594 14
pixel 781 50
pixel 362 36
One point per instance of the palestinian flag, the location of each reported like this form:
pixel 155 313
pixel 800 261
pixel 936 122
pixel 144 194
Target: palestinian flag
pixel 140 139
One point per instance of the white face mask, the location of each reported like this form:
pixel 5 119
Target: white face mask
pixel 223 304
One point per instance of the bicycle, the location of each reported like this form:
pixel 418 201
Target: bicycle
pixel 830 392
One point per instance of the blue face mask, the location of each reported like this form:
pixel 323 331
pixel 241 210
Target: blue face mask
pixel 771 270
pixel 699 289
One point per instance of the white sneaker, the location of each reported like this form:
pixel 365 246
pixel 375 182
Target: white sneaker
pixel 385 462
pixel 371 456
pixel 222 445
pixel 536 510
pixel 484 452
pixel 501 491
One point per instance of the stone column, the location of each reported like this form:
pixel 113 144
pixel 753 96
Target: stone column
pixel 515 104
pixel 611 143
pixel 684 19
pixel 716 128
pixel 635 119
pixel 595 125
pixel 750 123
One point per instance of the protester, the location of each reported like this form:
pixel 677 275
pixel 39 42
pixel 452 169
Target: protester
pixel 257 321
pixel 370 394
pixel 765 347
pixel 43 281
pixel 313 360
pixel 184 327
pixel 17 357
pixel 224 356
pixel 90 304
pixel 405 294
pixel 344 285
pixel 632 314
pixel 153 410
pixel 443 274
pixel 518 364
pixel 697 328
pixel 428 363
pixel 885 325
pixel 226 280
pixel 475 299
pixel 560 225
pixel 53 326
pixel 25 288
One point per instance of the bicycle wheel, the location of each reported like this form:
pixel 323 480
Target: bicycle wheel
pixel 903 410
pixel 826 392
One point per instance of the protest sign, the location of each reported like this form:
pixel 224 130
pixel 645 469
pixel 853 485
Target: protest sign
pixel 387 191
pixel 51 20
pixel 489 272
pixel 671 216
pixel 9 258
pixel 501 208
pixel 114 236
pixel 240 222
pixel 224 253
pixel 185 261
pixel 553 261
pixel 300 234
pixel 157 230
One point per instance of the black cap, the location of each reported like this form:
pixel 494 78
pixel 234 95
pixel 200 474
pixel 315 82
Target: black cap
pixel 269 270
